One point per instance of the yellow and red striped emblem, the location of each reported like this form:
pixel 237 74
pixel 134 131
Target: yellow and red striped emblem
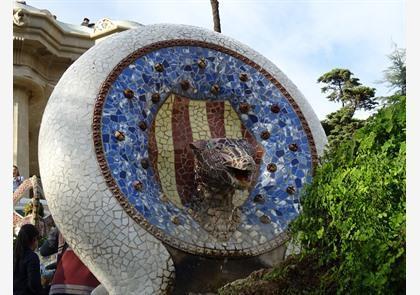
pixel 179 122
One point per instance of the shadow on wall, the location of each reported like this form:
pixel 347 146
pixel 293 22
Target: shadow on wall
pixel 212 273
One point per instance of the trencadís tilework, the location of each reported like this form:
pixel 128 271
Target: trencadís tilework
pixel 112 136
pixel 161 99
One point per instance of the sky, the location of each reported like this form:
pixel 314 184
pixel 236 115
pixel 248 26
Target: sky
pixel 303 38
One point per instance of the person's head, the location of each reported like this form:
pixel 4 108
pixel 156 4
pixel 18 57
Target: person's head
pixel 27 238
pixel 15 171
pixel 86 20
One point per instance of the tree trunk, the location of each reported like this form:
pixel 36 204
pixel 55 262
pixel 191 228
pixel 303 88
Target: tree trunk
pixel 216 18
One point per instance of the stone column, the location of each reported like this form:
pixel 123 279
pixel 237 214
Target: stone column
pixel 21 130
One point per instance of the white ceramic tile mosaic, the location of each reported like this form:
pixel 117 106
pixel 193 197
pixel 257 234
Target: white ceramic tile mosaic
pixel 121 254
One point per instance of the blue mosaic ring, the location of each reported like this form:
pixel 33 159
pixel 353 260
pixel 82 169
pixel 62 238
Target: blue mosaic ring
pixel 167 94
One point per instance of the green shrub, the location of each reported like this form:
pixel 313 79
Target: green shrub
pixel 354 211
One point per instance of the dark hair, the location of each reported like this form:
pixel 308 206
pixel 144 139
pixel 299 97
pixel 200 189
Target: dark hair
pixel 17 169
pixel 26 236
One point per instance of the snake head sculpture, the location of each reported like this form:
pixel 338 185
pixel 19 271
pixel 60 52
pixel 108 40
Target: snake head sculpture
pixel 224 163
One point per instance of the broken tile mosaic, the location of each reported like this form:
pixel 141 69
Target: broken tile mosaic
pixel 185 93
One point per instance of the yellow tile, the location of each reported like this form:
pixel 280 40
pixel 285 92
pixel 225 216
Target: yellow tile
pixel 232 122
pixel 166 160
pixel 198 120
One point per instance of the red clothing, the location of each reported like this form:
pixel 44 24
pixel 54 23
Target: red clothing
pixel 72 276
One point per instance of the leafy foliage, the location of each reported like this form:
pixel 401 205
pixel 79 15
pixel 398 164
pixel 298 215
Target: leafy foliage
pixel 342 87
pixel 337 80
pixel 395 74
pixel 360 97
pixel 340 126
pixel 354 211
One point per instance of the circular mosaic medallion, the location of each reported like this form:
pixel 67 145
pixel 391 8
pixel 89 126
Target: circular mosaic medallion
pixel 189 134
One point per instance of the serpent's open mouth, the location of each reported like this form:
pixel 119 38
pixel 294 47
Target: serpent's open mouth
pixel 243 176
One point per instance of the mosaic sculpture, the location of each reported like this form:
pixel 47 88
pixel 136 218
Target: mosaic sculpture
pixel 222 167
pixel 175 137
pixel 43 224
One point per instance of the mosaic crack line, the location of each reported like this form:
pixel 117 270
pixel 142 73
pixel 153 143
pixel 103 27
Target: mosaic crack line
pixel 122 198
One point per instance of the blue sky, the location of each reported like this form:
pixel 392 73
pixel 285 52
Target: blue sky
pixel 303 38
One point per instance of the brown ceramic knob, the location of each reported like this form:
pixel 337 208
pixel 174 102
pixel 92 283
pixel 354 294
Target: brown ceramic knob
pixel 175 220
pixel 185 85
pixel 272 167
pixel 244 107
pixel 243 77
pixel 119 135
pixel 290 190
pixel 293 147
pixel 265 219
pixel 265 134
pixel 275 108
pixel 128 93
pixel 202 63
pixel 155 97
pixel 144 163
pixel 159 67
pixel 215 89
pixel 143 125
pixel 259 199
pixel 138 186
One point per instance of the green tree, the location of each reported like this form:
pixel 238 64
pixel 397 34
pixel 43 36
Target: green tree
pixel 352 225
pixel 353 213
pixel 360 97
pixel 395 74
pixel 337 80
pixel 340 125
pixel 341 86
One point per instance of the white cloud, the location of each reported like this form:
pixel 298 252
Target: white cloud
pixel 309 38
pixel 303 38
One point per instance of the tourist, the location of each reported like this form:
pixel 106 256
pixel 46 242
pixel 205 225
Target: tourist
pixel 17 178
pixel 85 22
pixel 71 275
pixel 26 265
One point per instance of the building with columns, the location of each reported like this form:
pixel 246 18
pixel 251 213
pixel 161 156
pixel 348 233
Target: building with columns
pixel 43 48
